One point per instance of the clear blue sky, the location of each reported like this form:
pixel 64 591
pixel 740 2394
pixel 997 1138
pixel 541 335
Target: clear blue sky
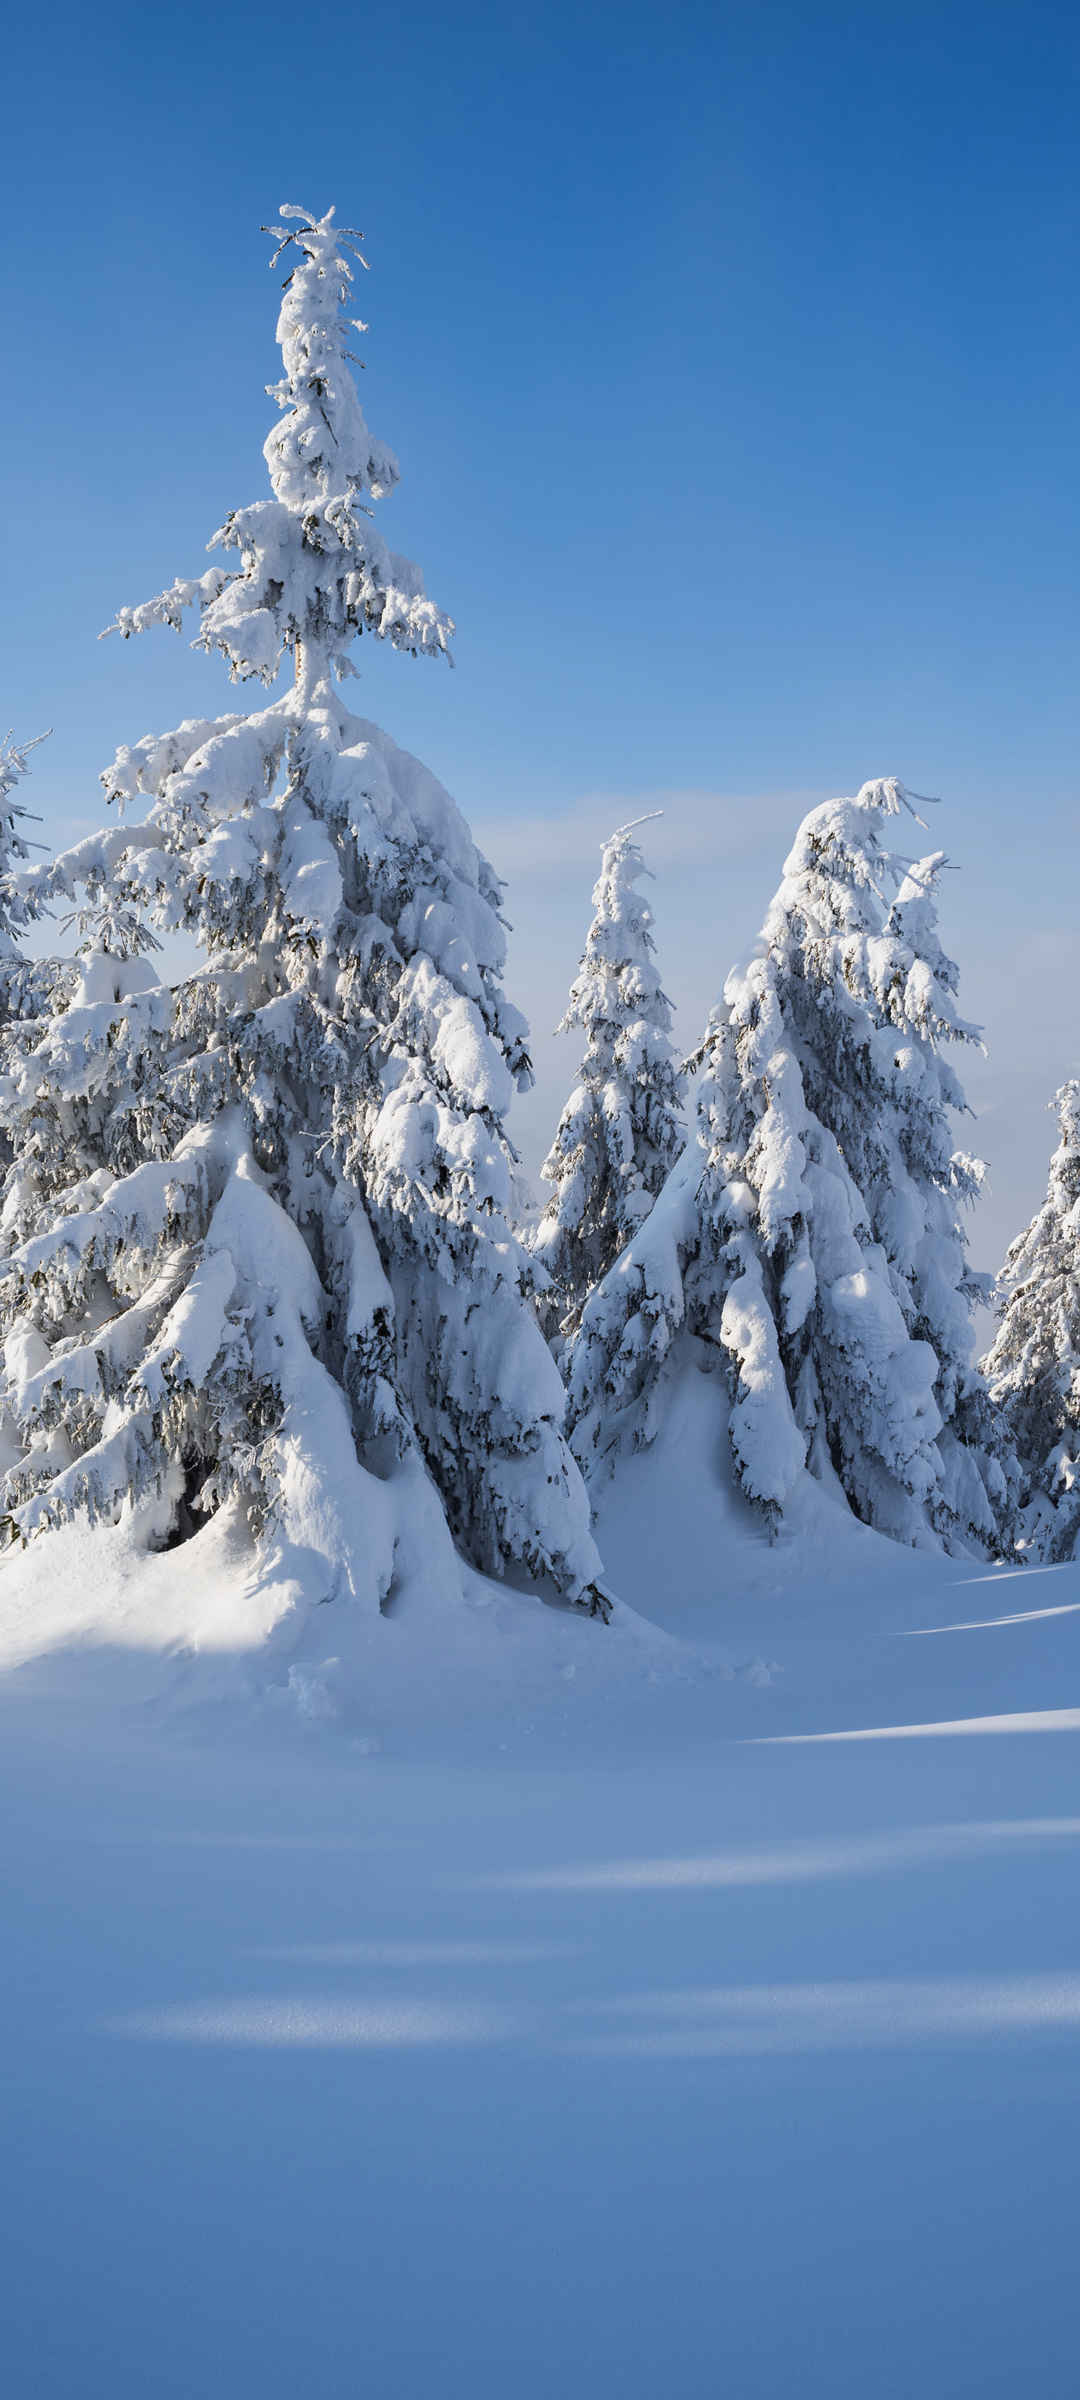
pixel 731 356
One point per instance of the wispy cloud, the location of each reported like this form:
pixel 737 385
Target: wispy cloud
pixel 695 827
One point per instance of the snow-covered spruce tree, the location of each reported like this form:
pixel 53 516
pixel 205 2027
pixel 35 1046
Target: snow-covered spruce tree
pixel 24 983
pixel 811 1231
pixel 919 1201
pixel 620 1132
pixel 1033 1368
pixel 14 848
pixel 277 1272
pixel 29 987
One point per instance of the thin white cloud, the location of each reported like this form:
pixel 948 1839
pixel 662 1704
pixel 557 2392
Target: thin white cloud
pixel 693 828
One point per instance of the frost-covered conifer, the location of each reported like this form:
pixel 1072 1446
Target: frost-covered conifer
pixel 810 1233
pixel 28 987
pixel 1034 1365
pixel 276 1268
pixel 620 1132
pixel 22 982
pixel 920 1196
pixel 13 845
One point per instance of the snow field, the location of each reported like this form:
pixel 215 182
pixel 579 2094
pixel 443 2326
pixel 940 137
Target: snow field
pixel 597 2042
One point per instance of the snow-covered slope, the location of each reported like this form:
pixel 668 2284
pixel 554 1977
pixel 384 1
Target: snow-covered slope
pixel 516 2017
pixel 475 1996
pixel 750 1635
pixel 212 1625
pixel 682 1543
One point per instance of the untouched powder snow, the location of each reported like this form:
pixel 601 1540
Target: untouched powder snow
pixel 477 1998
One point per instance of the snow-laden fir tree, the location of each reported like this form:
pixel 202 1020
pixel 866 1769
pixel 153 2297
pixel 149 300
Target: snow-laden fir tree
pixel 24 983
pixel 811 1233
pixel 621 1131
pixel 14 848
pixel 920 1199
pixel 1033 1368
pixel 29 987
pixel 259 1252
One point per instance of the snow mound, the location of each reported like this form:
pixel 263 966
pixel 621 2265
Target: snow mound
pixel 220 1621
pixel 683 1546
pixel 717 1630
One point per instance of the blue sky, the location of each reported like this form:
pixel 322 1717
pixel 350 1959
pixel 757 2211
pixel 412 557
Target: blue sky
pixel 731 356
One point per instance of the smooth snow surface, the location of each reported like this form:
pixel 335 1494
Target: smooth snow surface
pixel 477 2000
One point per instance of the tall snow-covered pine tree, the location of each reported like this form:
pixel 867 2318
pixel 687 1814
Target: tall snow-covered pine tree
pixel 23 983
pixel 810 1234
pixel 620 1131
pixel 1033 1368
pixel 277 1273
